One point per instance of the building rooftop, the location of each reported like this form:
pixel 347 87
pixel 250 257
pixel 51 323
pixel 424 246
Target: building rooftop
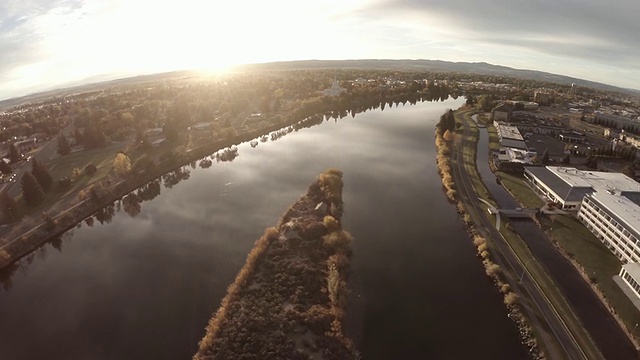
pixel 516 144
pixel 598 180
pixel 506 131
pixel 503 107
pixel 564 189
pixel 623 208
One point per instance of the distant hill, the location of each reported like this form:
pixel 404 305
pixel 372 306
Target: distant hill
pixel 94 86
pixel 481 68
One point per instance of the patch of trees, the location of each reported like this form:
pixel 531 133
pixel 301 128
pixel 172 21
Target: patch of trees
pixel 447 123
pixel 35 183
pixel 620 152
pixel 288 300
pixel 63 145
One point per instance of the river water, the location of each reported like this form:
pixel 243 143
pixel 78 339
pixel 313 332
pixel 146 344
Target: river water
pixel 144 286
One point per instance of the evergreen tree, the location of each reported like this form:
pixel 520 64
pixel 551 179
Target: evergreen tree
pixel 93 137
pixel 14 154
pixel 63 145
pixel 31 189
pixel 447 122
pixel 545 156
pixel 5 168
pixel 9 207
pixel 78 136
pixel 41 174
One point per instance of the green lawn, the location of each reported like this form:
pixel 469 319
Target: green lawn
pixel 520 189
pixel 494 141
pixel 469 153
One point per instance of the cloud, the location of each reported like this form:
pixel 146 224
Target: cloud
pixel 23 37
pixel 45 43
pixel 603 33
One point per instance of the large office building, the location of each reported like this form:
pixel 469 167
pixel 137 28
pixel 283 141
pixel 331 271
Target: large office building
pixel 608 205
pixel 630 279
pixel 615 220
pixel 567 186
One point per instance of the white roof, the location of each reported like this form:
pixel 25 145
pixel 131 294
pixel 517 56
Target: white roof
pixel 625 210
pixel 633 269
pixel 509 132
pixel 598 180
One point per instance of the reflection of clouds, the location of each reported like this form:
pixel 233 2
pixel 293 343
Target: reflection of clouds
pixel 187 244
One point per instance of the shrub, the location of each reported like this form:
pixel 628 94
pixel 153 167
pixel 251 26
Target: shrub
pixel 511 298
pixel 331 223
pixel 337 240
pixel 491 268
pixel 90 170
pixel 331 184
pixel 505 289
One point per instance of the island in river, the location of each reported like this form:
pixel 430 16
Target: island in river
pixel 287 301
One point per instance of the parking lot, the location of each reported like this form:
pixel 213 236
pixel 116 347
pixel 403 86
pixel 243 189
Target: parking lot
pixel 541 143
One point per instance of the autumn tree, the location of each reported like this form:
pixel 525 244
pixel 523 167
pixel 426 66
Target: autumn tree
pixel 63 145
pixel 31 189
pixel 122 164
pixel 41 174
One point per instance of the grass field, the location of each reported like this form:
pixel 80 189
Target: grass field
pixel 517 186
pixel 494 141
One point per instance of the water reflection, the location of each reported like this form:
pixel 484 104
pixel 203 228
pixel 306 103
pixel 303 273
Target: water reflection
pixel 145 286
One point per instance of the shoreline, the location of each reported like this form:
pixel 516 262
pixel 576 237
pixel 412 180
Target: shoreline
pixel 59 223
pixel 288 300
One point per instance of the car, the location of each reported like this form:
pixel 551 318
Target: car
pixel 539 141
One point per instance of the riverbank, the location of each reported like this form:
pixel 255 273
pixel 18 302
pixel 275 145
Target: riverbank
pixel 453 150
pixel 288 299
pixel 31 233
pixel 529 270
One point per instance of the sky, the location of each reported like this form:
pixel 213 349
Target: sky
pixel 46 44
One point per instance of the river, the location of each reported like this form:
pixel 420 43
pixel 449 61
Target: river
pixel 144 286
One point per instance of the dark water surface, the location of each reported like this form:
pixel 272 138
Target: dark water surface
pixel 144 287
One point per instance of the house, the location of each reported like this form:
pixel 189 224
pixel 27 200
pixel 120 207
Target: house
pixel 502 112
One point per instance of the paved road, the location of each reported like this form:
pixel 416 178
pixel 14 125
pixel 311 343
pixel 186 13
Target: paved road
pixel 528 289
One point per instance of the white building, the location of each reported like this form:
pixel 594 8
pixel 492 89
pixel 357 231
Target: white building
pixel 567 186
pixel 334 90
pixel 509 136
pixel 630 275
pixel 615 220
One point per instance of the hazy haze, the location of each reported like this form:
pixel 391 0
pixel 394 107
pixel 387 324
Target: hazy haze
pixel 49 43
